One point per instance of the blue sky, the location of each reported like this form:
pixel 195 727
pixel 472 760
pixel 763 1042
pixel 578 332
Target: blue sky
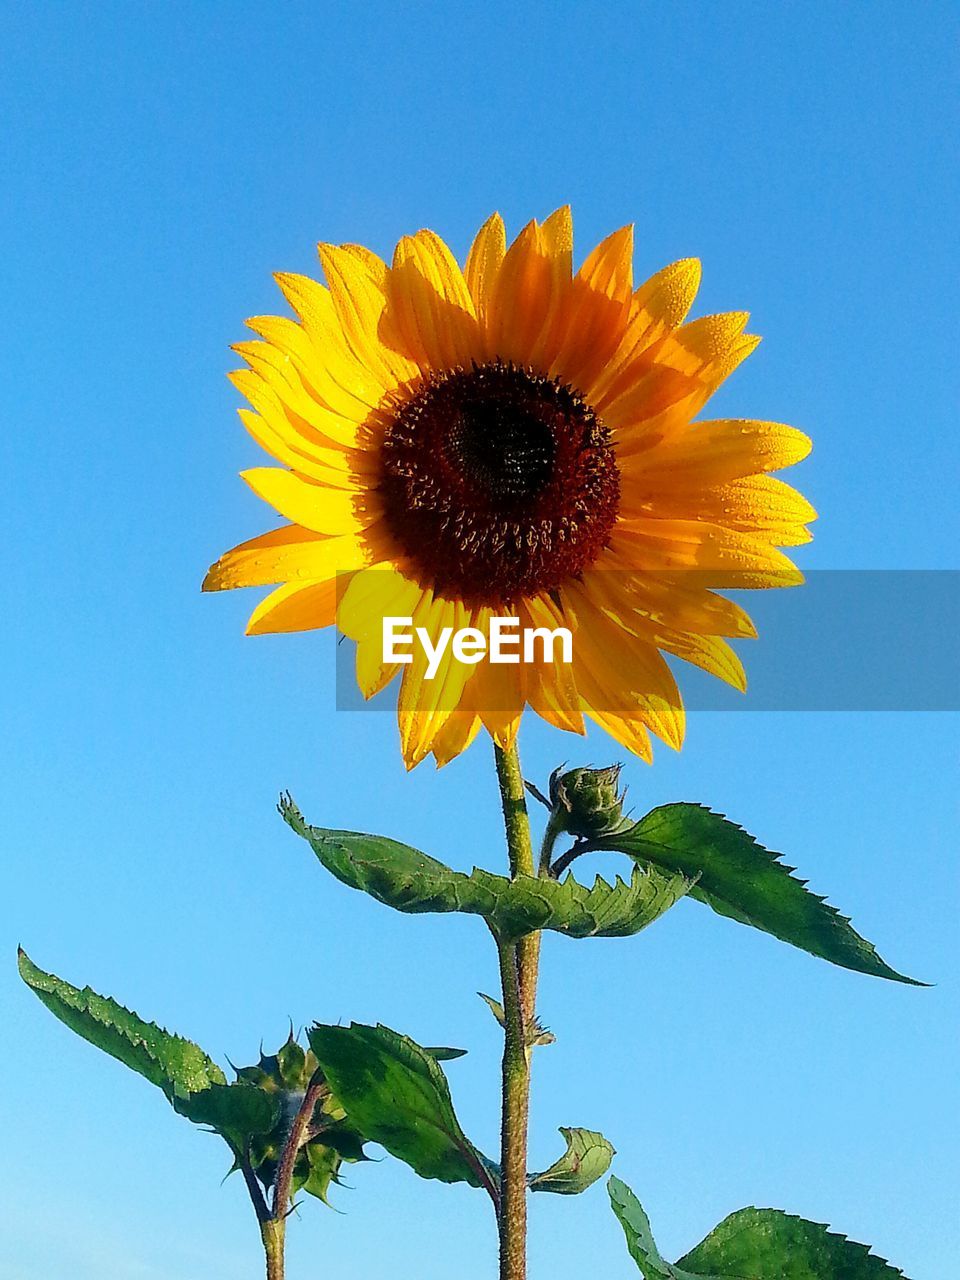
pixel 161 162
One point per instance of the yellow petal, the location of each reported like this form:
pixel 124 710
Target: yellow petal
pixel 608 269
pixel 658 307
pixel 295 607
pixel 720 557
pixel 483 261
pixel 700 355
pixel 622 674
pixel 425 705
pixel 556 234
pixel 756 504
pixel 551 688
pixel 338 378
pixel 598 310
pixel 370 596
pixel 431 304
pixel 712 453
pixel 274 397
pixel 703 342
pixel 710 653
pixel 376 593
pixel 288 554
pixel 361 306
pixel 520 305
pixel 499 691
pixel 314 506
pixel 334 470
pixel 459 731
pixel 629 733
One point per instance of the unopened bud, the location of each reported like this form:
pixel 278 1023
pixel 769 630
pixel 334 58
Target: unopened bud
pixel 588 801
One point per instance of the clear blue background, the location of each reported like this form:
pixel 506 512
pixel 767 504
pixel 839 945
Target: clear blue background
pixel 161 161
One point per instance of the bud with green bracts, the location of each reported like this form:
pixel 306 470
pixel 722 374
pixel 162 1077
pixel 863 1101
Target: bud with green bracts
pixel 586 801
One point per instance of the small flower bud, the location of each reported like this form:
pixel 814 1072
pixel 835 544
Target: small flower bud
pixel 587 800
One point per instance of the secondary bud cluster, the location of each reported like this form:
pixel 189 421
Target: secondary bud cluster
pixel 327 1139
pixel 587 801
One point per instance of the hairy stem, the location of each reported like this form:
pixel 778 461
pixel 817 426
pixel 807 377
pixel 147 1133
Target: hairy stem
pixel 273 1218
pixel 518 978
pixel 520 850
pixel 554 829
pixel 272 1232
pixel 561 864
pixel 281 1185
pixel 512 1218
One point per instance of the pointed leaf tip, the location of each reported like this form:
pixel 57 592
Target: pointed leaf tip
pixel 751 1244
pixel 177 1066
pixel 738 878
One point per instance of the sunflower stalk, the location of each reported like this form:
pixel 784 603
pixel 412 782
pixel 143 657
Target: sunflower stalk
pixel 519 965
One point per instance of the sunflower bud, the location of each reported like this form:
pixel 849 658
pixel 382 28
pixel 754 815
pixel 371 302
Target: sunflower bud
pixel 587 801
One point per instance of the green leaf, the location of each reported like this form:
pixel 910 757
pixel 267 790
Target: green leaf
pixel 404 878
pixel 741 879
pixel 586 1159
pixel 175 1065
pixel 751 1244
pixel 237 1111
pixel 636 1227
pixel 495 1007
pixel 767 1244
pixel 396 1094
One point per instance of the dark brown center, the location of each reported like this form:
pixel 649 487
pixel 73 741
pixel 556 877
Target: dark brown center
pixel 498 483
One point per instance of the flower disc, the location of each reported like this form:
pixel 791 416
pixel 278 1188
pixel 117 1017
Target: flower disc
pixel 498 482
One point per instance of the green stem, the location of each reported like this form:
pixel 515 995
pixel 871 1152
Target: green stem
pixel 553 831
pixel 273 1218
pixel 272 1232
pixel 519 964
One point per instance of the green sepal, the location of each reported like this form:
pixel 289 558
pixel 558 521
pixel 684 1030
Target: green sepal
pixel 495 1007
pixel 536 1034
pixel 396 1094
pixel 739 878
pixel 404 878
pixel 177 1066
pixel 751 1244
pixel 328 1140
pixel 587 1158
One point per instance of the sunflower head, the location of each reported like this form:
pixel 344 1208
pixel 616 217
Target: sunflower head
pixel 511 440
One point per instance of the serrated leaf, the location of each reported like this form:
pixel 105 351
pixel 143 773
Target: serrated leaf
pixel 396 1094
pixel 751 1244
pixel 586 1159
pixel 236 1111
pixel 408 880
pixel 177 1066
pixel 767 1244
pixel 739 878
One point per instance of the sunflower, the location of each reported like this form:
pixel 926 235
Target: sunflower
pixel 512 439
